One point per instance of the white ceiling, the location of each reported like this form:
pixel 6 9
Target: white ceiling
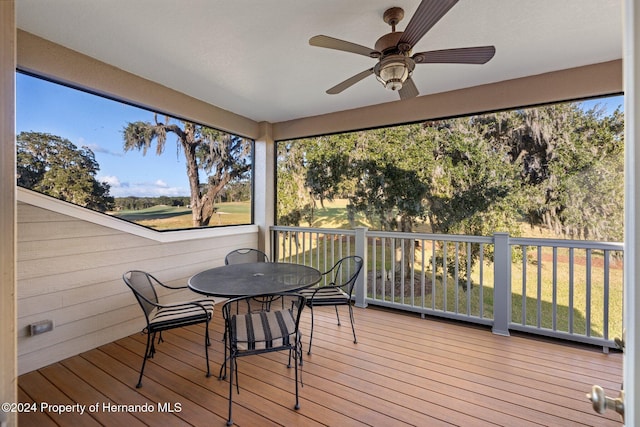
pixel 252 57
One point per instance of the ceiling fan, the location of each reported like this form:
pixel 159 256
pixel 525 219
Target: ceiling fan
pixel 393 50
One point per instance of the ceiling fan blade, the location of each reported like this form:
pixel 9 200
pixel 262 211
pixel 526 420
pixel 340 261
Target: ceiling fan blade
pixel 409 89
pixel 349 82
pixel 428 13
pixel 333 43
pixel 463 55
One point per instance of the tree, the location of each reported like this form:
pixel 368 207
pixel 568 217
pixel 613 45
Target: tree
pixel 385 169
pixel 557 166
pixel 571 166
pixel 54 166
pixel 221 156
pixel 294 201
pixel 474 188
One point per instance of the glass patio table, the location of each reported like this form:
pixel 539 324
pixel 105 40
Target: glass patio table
pixel 236 280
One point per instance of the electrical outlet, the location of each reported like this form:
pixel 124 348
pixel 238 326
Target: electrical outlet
pixel 41 327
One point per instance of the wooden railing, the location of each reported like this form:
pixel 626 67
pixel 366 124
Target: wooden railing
pixel 566 289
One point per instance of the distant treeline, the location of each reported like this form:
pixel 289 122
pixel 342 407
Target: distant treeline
pixel 138 203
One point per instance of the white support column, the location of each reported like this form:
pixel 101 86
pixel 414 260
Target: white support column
pixel 8 344
pixel 264 186
pixel 632 211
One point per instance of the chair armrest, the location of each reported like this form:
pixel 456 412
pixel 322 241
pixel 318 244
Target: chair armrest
pixel 317 289
pixel 181 305
pixel 158 282
pixel 172 287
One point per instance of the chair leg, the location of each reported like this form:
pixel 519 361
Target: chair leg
pixel 353 329
pixel 337 315
pixel 231 367
pixel 152 350
pixel 147 350
pixel 297 406
pixel 311 333
pixel 207 343
pixel 297 352
pixel 300 349
pixel 221 375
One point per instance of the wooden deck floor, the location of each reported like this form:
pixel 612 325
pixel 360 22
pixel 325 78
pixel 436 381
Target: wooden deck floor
pixel 404 371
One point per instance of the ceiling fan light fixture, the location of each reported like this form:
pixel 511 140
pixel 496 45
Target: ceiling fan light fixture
pixel 393 75
pixel 394 71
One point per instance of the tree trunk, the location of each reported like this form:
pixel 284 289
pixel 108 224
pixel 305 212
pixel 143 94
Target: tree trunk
pixel 194 183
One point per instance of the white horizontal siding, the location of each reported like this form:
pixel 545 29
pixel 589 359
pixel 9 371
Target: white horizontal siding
pixel 70 266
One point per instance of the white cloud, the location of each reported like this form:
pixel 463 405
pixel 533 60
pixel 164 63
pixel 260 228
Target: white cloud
pixel 113 181
pixel 96 148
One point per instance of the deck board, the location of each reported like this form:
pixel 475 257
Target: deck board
pixel 404 370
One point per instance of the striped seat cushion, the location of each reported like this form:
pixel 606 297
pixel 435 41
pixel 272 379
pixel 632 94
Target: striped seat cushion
pixel 327 295
pixel 263 330
pixel 177 314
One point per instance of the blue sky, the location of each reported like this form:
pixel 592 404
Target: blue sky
pixel 95 122
pixel 610 104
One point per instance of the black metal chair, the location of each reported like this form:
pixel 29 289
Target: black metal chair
pixel 244 256
pixel 335 289
pixel 162 317
pixel 262 324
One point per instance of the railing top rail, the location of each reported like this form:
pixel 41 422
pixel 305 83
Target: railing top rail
pixel 431 236
pixel 314 230
pixel 514 241
pixel 563 243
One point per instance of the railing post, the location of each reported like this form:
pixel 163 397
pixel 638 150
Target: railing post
pixel 361 281
pixel 501 284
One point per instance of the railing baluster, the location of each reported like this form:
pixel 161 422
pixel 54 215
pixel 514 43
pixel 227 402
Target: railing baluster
pixel 374 272
pixel 445 274
pixel 588 294
pixel 423 292
pixel 482 280
pixel 524 285
pixel 539 290
pixel 392 256
pixel 605 303
pixel 434 267
pixel 468 293
pixel 456 276
pixel 403 273
pixel 554 298
pixel 571 284
pixel 413 272
pixel 383 268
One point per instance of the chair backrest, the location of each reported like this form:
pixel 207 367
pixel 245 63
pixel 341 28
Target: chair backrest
pixel 265 303
pixel 141 283
pixel 345 272
pixel 245 256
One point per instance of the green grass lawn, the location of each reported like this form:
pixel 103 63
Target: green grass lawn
pixel 162 217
